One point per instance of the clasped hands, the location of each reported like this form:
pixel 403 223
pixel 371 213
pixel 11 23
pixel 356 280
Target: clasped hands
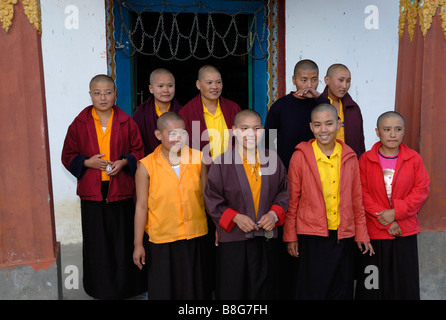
pixel 95 162
pixel 387 217
pixel 246 224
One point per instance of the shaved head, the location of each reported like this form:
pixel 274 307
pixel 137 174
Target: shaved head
pixel 324 107
pixel 305 65
pixel 334 67
pixel 162 121
pixel 246 113
pixel 102 78
pixel 389 114
pixel 206 68
pixel 157 72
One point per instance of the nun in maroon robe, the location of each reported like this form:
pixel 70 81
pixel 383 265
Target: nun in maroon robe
pixel 193 112
pixel 247 263
pixel 145 117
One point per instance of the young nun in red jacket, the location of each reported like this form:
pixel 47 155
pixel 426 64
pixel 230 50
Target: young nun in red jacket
pixel 395 185
pixel 101 150
pixel 325 216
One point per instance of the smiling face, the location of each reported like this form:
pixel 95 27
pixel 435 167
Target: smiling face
pixel 210 85
pixel 390 132
pixel 103 95
pixel 248 132
pixel 324 125
pixel 173 135
pixel 163 87
pixel 338 82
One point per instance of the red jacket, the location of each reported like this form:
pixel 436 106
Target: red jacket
pixel 410 189
pixel 306 211
pixel 81 143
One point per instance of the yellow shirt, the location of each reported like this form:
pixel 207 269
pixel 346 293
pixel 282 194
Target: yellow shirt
pixel 175 205
pixel 255 180
pixel 340 134
pixel 329 172
pixel 217 129
pixel 158 111
pixel 103 139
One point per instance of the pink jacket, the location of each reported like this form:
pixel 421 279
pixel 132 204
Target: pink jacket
pixel 306 211
pixel 410 189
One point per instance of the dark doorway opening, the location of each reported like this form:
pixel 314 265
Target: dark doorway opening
pixel 235 70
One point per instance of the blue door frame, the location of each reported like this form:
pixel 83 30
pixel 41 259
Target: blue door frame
pixel 124 63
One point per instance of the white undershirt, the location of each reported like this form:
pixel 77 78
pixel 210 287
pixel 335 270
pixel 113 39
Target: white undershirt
pixel 177 170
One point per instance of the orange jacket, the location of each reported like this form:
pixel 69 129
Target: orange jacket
pixel 306 211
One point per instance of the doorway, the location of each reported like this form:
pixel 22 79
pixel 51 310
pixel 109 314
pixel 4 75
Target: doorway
pixel 245 23
pixel 234 69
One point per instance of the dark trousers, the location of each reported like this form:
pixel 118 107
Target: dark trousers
pixel 107 249
pixel 391 273
pixel 325 268
pixel 247 269
pixel 178 270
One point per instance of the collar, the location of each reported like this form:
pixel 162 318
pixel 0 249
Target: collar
pixel 218 112
pixel 337 151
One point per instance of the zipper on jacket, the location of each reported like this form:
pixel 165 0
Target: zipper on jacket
pixel 395 176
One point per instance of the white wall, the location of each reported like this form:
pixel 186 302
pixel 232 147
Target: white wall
pixel 328 32
pixel 74 50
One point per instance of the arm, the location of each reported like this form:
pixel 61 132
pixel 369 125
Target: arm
pixel 217 207
pixel 412 203
pixel 371 206
pixel 295 192
pixel 361 234
pixel 142 182
pixel 277 211
pixel 73 158
pixel 129 162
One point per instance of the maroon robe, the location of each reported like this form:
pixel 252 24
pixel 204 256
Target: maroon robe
pixel 145 117
pixel 353 123
pixel 227 193
pixel 193 111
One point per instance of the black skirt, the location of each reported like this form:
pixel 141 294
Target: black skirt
pixel 391 273
pixel 248 270
pixel 108 268
pixel 179 270
pixel 325 268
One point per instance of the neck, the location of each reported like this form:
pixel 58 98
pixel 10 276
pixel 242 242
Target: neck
pixel 389 152
pixel 250 155
pixel 211 105
pixel 172 157
pixel 163 106
pixel 327 149
pixel 104 116
pixel 332 96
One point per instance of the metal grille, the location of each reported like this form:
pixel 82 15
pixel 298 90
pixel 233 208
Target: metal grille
pixel 178 33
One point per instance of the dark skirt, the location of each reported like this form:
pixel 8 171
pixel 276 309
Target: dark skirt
pixel 179 270
pixel 108 268
pixel 325 268
pixel 248 270
pixel 391 273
